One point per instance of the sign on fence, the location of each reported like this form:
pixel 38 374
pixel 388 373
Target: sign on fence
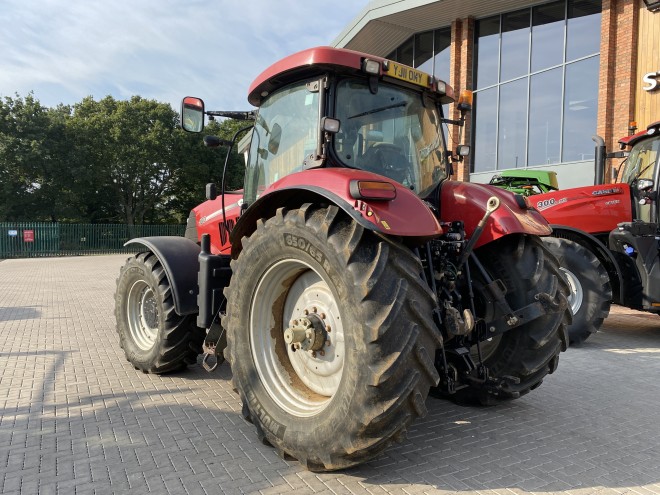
pixel 28 236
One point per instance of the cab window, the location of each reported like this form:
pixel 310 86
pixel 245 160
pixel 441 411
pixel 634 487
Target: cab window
pixel 285 132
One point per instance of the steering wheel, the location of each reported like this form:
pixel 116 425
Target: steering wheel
pixel 388 160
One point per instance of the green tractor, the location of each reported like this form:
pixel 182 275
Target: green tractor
pixel 526 182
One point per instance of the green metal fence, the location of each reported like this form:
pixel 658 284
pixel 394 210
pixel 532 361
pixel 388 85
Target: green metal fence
pixel 31 239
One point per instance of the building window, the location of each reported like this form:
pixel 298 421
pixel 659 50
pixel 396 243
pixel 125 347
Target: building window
pixel 427 51
pixel 536 80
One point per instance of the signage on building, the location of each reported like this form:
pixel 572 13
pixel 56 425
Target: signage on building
pixel 28 236
pixel 652 81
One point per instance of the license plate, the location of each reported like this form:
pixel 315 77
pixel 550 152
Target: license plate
pixel 408 74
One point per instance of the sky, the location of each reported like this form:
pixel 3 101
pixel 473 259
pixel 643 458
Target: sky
pixel 65 50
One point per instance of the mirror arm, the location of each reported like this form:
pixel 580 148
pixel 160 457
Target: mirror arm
pixel 250 115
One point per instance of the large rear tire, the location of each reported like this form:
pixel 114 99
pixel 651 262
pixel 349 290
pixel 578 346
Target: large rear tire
pixel 530 351
pixel 154 337
pixel 590 292
pixel 340 404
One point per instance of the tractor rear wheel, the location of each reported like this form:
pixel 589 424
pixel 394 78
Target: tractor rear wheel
pixel 590 292
pixel 155 339
pixel 329 336
pixel 530 351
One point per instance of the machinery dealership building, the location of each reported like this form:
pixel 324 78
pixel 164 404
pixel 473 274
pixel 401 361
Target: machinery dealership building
pixel 546 76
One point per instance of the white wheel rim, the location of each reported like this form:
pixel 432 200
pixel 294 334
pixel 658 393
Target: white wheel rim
pixel 300 382
pixel 576 294
pixel 142 312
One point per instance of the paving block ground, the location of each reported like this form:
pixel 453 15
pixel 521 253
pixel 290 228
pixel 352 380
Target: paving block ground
pixel 75 417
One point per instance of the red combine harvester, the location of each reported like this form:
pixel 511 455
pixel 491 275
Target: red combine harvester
pixel 351 277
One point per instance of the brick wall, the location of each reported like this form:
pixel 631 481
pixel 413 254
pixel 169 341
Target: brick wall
pixel 462 47
pixel 618 71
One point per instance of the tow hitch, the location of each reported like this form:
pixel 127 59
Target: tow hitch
pixel 214 344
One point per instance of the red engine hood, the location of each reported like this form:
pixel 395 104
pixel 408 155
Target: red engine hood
pixel 594 209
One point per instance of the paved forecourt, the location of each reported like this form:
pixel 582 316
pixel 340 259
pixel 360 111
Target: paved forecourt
pixel 75 417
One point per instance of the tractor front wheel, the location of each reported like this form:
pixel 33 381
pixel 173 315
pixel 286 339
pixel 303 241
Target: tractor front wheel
pixel 590 293
pixel 329 337
pixel 155 339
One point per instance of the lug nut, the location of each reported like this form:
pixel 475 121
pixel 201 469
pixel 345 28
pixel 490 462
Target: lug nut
pixel 306 312
pixel 328 328
pixel 314 309
pixel 322 352
pixel 322 316
pixel 314 354
pixel 327 343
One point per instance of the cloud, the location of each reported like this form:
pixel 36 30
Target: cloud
pixel 64 51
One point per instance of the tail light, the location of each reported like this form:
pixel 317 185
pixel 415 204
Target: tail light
pixel 372 189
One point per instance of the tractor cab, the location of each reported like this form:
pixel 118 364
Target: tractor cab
pixel 640 171
pixel 330 108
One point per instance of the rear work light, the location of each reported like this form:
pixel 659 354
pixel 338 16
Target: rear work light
pixel 372 189
pixel 371 66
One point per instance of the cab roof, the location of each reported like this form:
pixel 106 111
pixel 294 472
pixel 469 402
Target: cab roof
pixel 652 129
pixel 311 62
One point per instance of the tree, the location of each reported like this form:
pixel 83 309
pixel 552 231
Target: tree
pixel 33 172
pixel 201 165
pixel 106 161
pixel 129 147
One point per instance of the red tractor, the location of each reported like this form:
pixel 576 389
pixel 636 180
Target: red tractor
pixel 606 235
pixel 351 276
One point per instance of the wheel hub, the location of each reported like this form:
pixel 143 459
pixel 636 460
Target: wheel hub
pixel 307 333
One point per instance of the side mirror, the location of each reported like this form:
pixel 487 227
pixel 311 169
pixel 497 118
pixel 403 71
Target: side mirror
pixel 275 138
pixel 192 114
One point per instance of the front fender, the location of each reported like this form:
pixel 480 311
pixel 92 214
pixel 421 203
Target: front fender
pixel 406 216
pixel 180 260
pixel 466 201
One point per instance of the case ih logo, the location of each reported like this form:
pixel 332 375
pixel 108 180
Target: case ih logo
pixel 606 192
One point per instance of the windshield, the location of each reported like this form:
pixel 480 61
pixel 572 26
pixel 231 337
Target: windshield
pixel 391 133
pixel 642 160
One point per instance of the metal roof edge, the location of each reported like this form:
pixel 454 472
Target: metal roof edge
pixel 375 10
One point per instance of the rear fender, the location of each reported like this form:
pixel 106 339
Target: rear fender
pixel 179 258
pixel 406 216
pixel 467 202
